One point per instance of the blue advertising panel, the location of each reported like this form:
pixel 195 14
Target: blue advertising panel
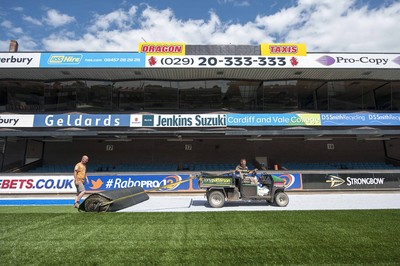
pixel 147 182
pixel 361 119
pixel 201 120
pixel 292 181
pixel 273 120
pixel 65 183
pixel 92 60
pixel 82 120
pixel 324 119
pixel 152 181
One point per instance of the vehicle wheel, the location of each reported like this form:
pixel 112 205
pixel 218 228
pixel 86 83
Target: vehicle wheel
pixel 216 199
pixel 281 199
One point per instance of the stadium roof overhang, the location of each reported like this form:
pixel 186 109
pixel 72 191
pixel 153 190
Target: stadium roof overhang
pixel 176 74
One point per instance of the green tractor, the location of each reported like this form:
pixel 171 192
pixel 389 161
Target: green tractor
pixel 234 186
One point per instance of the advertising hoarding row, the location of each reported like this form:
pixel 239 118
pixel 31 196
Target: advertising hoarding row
pixel 315 60
pixel 72 60
pixel 61 183
pixel 166 60
pixel 198 120
pixel 179 49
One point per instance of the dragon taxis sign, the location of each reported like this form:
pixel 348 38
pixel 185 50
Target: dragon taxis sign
pixel 283 49
pixel 162 48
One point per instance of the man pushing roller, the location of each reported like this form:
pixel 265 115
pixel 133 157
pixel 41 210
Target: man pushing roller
pixel 79 178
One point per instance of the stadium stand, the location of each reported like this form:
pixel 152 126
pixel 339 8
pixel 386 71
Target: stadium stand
pixel 139 167
pixel 108 168
pixel 210 167
pixel 338 165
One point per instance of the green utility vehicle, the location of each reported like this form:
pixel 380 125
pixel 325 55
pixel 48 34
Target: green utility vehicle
pixel 235 186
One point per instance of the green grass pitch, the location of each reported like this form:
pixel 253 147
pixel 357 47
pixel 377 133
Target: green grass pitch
pixel 62 236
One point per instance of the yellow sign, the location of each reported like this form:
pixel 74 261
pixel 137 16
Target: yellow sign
pixel 162 48
pixel 310 119
pixel 283 49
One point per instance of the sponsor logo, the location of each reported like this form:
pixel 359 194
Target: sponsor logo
pixel 283 49
pixel 64 59
pixel 289 180
pixel 397 60
pixel 157 48
pixel 116 183
pixel 68 120
pixel 148 120
pixel 161 49
pixel 365 181
pixel 326 60
pixel 31 184
pixel 188 121
pixel 273 119
pixel 172 180
pixel 168 183
pixel 8 121
pixel 136 120
pixel 146 182
pixel 152 61
pixel 335 181
pixel 208 180
pixel 294 61
pixel 16 120
pixel 96 184
pixel 14 59
pixel 352 181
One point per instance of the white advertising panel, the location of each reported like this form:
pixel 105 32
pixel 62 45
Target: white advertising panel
pixel 9 120
pixel 26 60
pixel 182 120
pixel 37 184
pixel 315 60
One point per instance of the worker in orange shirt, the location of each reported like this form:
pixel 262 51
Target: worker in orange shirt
pixel 79 178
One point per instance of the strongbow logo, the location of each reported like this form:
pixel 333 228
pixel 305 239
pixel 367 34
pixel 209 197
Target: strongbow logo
pixel 335 181
pixel 326 60
pixel 96 184
pixel 65 59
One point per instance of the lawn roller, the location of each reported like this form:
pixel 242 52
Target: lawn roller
pixel 118 199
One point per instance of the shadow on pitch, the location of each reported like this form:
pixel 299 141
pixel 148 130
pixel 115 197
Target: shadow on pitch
pixel 237 203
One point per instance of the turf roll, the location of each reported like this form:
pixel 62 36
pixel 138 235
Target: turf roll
pixel 113 200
